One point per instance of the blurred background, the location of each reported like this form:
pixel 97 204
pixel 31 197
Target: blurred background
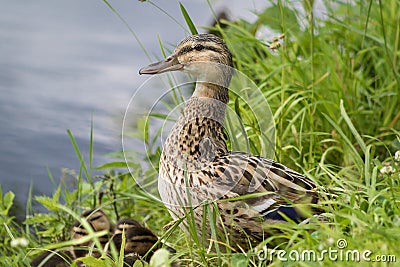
pixel 66 63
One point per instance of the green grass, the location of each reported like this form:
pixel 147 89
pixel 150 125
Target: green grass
pixel 333 90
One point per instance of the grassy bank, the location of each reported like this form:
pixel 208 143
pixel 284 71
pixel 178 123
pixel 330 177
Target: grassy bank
pixel 333 88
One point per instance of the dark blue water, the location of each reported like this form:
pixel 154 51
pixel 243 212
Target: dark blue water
pixel 66 62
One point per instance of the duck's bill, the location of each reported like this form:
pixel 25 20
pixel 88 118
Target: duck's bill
pixel 168 64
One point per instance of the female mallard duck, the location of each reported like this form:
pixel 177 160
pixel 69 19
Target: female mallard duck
pixel 98 221
pixel 196 166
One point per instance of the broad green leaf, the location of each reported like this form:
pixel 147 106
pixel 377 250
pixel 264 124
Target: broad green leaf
pixel 160 258
pixel 115 165
pixel 7 202
pixel 93 262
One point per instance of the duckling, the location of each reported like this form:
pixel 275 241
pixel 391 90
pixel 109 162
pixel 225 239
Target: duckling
pixel 138 240
pixel 53 258
pixel 98 220
pixel 195 156
pixel 126 223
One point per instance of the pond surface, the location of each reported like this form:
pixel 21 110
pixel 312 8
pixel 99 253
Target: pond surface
pixel 65 63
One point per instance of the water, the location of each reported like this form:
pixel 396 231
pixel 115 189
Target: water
pixel 65 62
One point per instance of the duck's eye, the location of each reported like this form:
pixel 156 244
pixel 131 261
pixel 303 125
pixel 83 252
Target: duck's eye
pixel 198 47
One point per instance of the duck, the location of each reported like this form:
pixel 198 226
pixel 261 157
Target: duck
pixel 98 221
pixel 140 242
pixel 198 174
pixel 53 258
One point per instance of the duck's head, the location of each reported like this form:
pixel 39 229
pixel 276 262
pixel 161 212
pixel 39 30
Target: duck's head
pixel 138 239
pixel 195 54
pixel 98 221
pixel 126 223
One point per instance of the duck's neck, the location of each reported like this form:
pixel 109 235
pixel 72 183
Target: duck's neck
pixel 213 91
pixel 208 102
pixel 198 135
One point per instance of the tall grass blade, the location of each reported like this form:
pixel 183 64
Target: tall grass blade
pixel 352 128
pixel 128 27
pixel 355 155
pixel 29 208
pixel 80 157
pixel 188 20
pixel 91 147
pixel 168 15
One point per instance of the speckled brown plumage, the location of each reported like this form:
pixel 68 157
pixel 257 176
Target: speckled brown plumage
pixel 196 167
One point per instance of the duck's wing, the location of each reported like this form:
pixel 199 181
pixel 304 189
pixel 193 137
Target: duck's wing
pixel 276 188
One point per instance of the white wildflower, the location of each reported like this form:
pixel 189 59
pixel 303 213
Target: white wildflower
pixel 19 242
pixel 396 220
pixel 397 155
pixel 387 169
pixel 330 240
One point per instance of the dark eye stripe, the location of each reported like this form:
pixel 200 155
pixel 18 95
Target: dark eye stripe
pixel 198 47
pixel 92 219
pixel 189 48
